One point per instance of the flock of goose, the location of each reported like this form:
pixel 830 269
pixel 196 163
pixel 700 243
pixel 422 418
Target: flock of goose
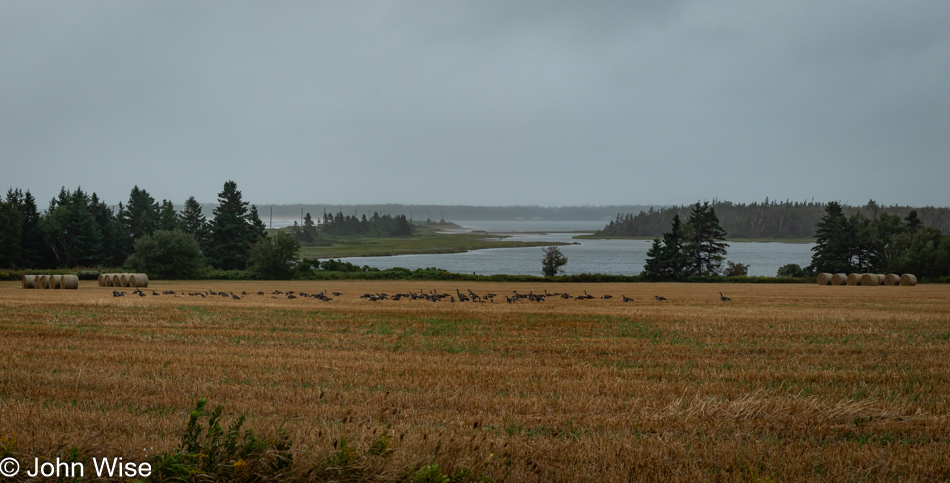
pixel 431 296
pixel 290 294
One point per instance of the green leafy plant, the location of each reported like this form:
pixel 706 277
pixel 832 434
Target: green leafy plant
pixel 210 451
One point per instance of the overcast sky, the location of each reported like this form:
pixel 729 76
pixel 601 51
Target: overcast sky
pixel 479 102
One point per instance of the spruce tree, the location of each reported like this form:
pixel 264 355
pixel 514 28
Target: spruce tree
pixel 85 232
pixel 704 246
pixel 11 230
pixel 257 228
pixel 913 222
pixel 863 242
pixel 112 252
pixel 168 217
pixel 231 234
pixel 833 242
pixel 72 232
pixel 123 234
pixel 31 249
pixel 142 214
pixel 194 223
pixel 667 259
pixel 34 252
pixel 309 230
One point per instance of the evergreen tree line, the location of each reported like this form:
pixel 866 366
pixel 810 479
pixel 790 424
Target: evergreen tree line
pixel 769 219
pixel 80 230
pixel 696 248
pixel 417 212
pixel 376 225
pixel 884 243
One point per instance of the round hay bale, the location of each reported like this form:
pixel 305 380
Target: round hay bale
pixel 54 281
pixel 27 281
pixel 102 279
pixel 40 282
pixel 138 280
pixel 839 279
pixel 880 278
pixel 70 282
pixel 892 279
pixel 109 279
pixel 854 278
pixel 824 279
pixel 116 280
pixel 908 280
pixel 869 279
pixel 125 279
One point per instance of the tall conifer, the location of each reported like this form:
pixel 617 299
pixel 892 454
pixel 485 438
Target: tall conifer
pixel 705 240
pixel 231 234
pixel 833 242
pixel 194 223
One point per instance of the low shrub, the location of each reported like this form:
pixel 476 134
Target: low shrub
pixel 210 452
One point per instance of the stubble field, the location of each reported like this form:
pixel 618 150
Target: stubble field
pixel 784 382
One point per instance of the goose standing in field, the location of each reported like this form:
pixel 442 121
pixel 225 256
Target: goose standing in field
pixel 657 297
pixel 626 299
pixel 723 297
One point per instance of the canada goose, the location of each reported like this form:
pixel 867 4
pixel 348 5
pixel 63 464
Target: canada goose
pixel 606 297
pixel 626 299
pixel 657 297
pixel 723 297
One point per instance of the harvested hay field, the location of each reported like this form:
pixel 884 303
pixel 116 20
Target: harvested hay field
pixel 785 382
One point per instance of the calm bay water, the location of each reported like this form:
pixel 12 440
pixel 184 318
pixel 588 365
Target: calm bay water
pixel 617 257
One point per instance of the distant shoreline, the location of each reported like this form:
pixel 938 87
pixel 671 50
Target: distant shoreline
pixel 736 240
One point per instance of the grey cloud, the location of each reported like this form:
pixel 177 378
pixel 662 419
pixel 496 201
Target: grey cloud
pixel 548 103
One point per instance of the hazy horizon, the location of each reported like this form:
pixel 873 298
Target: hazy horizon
pixel 494 103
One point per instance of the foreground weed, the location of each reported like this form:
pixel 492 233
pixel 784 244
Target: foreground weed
pixel 212 453
pixel 348 463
